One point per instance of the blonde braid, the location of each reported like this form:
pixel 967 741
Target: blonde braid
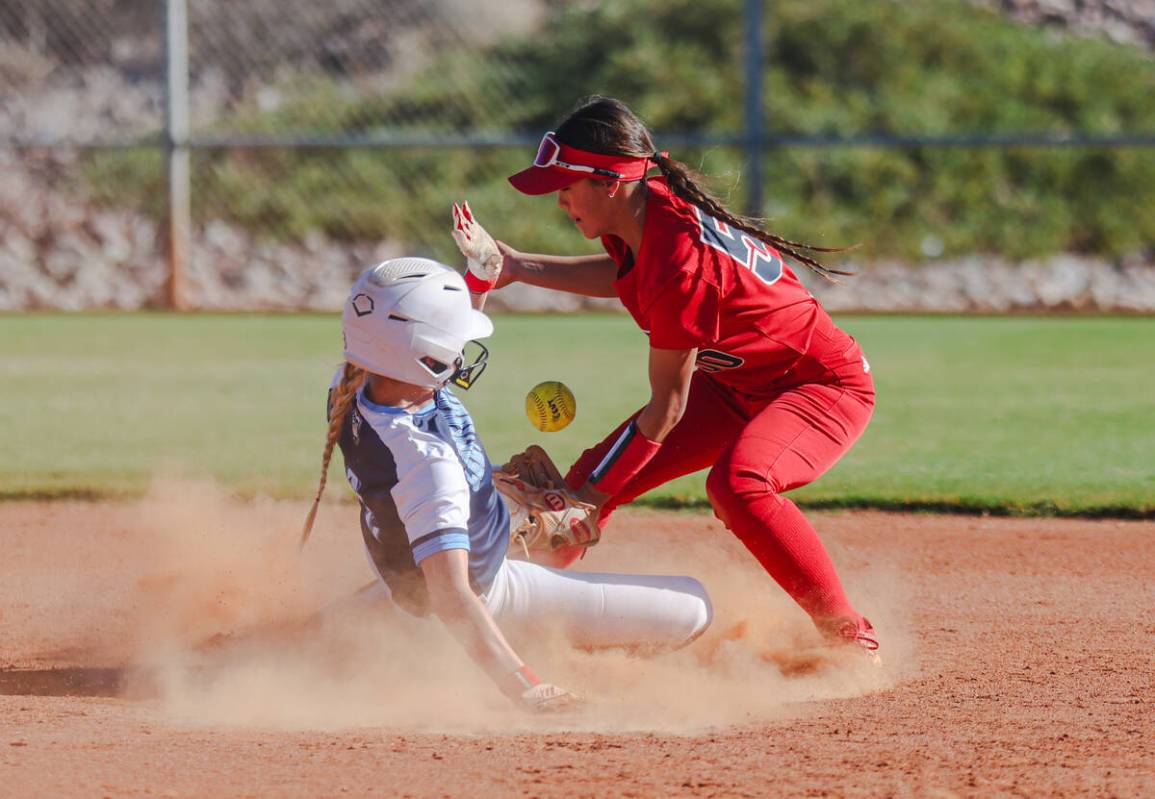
pixel 339 404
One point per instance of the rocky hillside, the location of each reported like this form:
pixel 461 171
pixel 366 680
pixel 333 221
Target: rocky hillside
pixel 60 249
pixel 1124 21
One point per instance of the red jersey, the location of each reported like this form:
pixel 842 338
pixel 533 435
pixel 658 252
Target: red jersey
pixel 697 282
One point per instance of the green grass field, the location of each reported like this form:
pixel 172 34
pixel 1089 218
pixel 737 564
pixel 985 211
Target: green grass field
pixel 1017 415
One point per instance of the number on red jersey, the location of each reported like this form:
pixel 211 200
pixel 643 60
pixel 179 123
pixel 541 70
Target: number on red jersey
pixel 716 361
pixel 748 251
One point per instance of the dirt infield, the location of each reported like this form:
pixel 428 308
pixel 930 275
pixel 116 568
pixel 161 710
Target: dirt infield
pixel 1019 661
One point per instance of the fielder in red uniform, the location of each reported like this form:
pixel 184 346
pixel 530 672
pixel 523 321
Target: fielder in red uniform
pixel 749 376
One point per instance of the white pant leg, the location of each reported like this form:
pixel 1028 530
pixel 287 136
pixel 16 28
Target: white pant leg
pixel 599 610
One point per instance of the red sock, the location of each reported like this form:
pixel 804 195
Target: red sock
pixel 789 549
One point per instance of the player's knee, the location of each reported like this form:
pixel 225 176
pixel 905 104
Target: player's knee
pixel 737 479
pixel 704 613
pixel 718 487
pixel 734 493
pixel 725 487
pixel 699 610
pixel 719 494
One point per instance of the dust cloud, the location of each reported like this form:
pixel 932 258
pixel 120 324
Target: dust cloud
pixel 221 627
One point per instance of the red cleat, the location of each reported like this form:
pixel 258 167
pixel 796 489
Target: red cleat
pixel 858 633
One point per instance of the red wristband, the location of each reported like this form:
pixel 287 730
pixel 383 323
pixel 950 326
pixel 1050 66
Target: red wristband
pixel 519 682
pixel 625 459
pixel 476 284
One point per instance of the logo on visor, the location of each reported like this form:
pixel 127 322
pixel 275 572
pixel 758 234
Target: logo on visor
pixel 362 305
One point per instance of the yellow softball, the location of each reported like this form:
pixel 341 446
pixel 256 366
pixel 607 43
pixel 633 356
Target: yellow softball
pixel 550 406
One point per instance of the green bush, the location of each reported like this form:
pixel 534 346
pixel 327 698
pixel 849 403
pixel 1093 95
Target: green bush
pixel 836 67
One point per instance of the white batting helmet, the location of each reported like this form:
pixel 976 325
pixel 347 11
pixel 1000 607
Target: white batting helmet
pixel 410 319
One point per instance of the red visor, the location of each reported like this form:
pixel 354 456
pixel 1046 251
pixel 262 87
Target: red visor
pixel 558 165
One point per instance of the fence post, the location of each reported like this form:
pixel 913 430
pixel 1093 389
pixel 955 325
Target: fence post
pixel 176 130
pixel 755 115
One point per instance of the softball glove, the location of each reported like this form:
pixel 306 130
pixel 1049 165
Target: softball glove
pixel 544 514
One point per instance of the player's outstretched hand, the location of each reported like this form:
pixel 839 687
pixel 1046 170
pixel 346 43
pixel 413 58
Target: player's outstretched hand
pixel 482 256
pixel 547 698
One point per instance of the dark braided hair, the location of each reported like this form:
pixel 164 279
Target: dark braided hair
pixel 607 126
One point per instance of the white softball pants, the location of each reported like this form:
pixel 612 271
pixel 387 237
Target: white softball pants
pixel 599 610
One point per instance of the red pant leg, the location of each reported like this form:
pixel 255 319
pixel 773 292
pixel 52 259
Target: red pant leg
pixel 792 440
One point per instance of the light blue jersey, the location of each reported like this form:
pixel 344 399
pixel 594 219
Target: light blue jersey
pixel 425 485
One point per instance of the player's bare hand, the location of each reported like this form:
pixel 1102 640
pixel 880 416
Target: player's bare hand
pixel 547 698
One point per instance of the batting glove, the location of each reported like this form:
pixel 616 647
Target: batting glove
pixel 481 254
pixel 547 698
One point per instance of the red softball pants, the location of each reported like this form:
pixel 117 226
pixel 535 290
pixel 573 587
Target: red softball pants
pixel 757 449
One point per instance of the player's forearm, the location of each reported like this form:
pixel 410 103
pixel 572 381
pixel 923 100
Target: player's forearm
pixel 660 416
pixel 470 623
pixel 588 275
pixel 670 375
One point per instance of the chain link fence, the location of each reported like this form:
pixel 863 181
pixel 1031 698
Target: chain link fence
pixel 299 177
pixel 325 137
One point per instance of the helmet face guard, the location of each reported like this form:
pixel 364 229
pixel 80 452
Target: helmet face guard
pixel 467 375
